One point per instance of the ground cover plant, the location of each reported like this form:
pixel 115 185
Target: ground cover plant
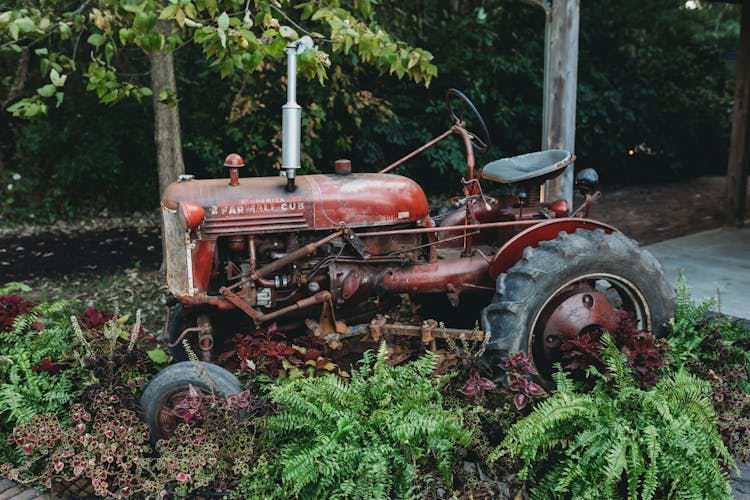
pixel 35 340
pixel 381 431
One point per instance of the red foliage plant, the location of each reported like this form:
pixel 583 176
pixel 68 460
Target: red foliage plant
pixel 94 319
pixel 12 306
pixel 476 385
pixel 518 368
pixel 645 354
pixel 267 351
pixel 194 404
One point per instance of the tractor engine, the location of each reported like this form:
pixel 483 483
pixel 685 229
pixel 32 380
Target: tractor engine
pixel 219 234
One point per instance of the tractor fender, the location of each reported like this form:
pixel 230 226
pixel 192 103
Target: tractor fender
pixel 512 251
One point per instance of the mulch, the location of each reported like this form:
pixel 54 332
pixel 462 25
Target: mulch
pixel 658 212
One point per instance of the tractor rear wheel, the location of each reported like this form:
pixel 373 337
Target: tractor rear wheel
pixel 573 284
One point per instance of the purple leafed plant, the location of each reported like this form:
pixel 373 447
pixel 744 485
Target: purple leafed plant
pixel 476 385
pixel 518 368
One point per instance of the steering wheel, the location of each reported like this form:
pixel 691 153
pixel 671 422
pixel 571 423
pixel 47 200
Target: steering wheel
pixel 481 141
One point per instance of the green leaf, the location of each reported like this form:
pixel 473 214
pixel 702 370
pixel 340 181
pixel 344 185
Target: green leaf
pixel 47 90
pixel 109 96
pixel 192 24
pixel 226 68
pixel 223 21
pixel 15 107
pixel 222 37
pixel 56 79
pixel 109 51
pixel 59 96
pixel 212 7
pixel 125 34
pixel 13 28
pixel 146 91
pixel 96 39
pixel 24 24
pixel 168 12
pixel 64 30
pixel 41 51
pixel 144 22
pixel 132 7
pixel 288 33
pixel 158 356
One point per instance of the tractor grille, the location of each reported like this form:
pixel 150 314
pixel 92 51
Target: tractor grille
pixel 256 223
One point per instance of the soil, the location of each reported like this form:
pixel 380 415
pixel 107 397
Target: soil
pixel 653 213
pixel 646 213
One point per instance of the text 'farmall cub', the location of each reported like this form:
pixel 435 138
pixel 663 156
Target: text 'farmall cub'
pixel 322 253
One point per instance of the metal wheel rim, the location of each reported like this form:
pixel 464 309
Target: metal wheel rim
pixel 625 289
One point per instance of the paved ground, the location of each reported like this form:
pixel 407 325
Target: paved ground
pixel 741 485
pixel 716 263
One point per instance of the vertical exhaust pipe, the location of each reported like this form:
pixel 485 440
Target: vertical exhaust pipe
pixel 291 114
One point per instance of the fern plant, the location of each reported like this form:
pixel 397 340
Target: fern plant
pixel 622 441
pixel 716 348
pixel 689 319
pixel 370 437
pixel 29 383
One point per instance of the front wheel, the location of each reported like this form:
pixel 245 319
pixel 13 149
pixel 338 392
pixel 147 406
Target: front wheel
pixel 171 386
pixel 570 285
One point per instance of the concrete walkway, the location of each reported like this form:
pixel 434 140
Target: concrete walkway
pixel 715 263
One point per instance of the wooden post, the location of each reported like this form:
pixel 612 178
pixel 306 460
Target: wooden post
pixel 739 150
pixel 561 117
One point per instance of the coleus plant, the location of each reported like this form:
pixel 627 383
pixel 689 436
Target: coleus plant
pixel 94 319
pixel 268 351
pixel 644 353
pixel 12 306
pixel 518 368
pixel 476 385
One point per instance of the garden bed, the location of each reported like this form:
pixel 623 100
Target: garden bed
pixel 312 427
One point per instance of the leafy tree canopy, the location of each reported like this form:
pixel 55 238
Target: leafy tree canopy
pixel 106 41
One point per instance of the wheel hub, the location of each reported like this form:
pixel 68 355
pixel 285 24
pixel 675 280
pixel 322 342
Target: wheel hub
pixel 167 421
pixel 579 311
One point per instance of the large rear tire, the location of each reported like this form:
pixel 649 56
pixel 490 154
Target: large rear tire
pixel 570 284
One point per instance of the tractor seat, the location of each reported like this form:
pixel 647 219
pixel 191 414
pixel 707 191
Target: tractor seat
pixel 528 166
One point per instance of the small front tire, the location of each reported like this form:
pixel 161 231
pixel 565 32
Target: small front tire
pixel 171 385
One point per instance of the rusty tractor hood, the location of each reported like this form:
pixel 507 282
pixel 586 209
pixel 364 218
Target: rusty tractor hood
pixel 320 202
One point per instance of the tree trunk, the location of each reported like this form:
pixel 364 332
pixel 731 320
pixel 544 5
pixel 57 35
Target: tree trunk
pixel 739 148
pixel 167 134
pixel 19 81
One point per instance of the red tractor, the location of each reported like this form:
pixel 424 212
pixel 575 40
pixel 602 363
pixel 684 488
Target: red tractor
pixel 324 253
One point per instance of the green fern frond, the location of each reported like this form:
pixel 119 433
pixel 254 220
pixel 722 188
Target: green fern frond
pixel 651 443
pixel 14 287
pixel 366 438
pixel 616 362
pixel 563 382
pixel 562 411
